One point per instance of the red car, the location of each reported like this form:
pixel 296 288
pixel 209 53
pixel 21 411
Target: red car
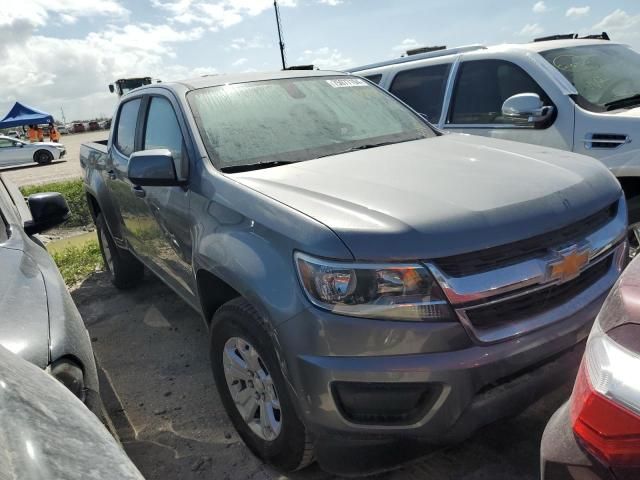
pixel 596 435
pixel 78 128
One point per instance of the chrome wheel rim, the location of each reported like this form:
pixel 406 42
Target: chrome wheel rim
pixel 634 239
pixel 252 389
pixel 106 251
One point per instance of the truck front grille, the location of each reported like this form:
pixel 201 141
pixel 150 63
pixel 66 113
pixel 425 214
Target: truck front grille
pixel 519 308
pixel 505 255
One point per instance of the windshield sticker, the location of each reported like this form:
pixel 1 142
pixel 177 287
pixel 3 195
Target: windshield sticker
pixel 346 82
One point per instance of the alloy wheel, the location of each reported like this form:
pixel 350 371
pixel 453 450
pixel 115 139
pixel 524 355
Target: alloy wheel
pixel 108 258
pixel 252 388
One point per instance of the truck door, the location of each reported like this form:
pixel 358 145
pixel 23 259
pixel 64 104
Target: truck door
pixel 158 217
pixel 480 89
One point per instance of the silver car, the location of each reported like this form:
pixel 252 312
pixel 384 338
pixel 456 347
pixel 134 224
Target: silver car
pixel 15 152
pixel 38 319
pixel 34 410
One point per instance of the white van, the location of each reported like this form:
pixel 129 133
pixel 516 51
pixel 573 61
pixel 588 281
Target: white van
pixel 581 95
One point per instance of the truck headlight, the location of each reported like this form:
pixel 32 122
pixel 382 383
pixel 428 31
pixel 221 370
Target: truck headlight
pixel 390 291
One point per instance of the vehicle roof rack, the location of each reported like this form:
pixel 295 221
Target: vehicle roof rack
pixel 419 56
pixel 573 36
pixel 416 51
pixel 300 67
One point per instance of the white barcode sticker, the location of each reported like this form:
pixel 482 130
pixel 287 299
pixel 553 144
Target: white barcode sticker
pixel 346 82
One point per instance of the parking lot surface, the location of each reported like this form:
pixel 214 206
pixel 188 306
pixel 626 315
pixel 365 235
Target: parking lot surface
pixel 65 169
pixel 154 351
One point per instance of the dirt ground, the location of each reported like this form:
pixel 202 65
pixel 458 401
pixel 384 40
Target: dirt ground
pixel 161 395
pixel 65 169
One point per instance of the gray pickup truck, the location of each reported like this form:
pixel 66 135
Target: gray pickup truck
pixel 368 282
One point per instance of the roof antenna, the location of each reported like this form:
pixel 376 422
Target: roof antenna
pixel 278 23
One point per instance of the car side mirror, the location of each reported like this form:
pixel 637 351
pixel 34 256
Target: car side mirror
pixel 154 168
pixel 48 210
pixel 111 88
pixel 527 107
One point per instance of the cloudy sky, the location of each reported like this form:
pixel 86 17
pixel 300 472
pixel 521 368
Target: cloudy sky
pixel 64 53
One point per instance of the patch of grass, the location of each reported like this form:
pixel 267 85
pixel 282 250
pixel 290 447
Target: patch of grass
pixel 73 193
pixel 77 262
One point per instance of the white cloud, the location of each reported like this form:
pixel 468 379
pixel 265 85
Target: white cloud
pixel 578 11
pixel 216 14
pixel 531 29
pixel 76 77
pixel 239 62
pixel 68 19
pixel 244 43
pixel 406 44
pixel 621 27
pixel 540 7
pixel 326 58
pixel 331 3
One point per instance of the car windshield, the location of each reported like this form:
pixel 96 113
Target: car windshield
pixel 606 76
pixel 298 119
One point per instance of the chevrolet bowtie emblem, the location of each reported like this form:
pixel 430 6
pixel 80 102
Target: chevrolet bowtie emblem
pixel 571 262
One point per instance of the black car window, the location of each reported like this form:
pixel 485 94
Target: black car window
pixel 483 86
pixel 127 120
pixel 423 89
pixel 374 78
pixel 162 129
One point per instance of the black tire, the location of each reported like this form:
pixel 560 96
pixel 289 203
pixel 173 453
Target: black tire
pixel 292 449
pixel 125 270
pixel 43 157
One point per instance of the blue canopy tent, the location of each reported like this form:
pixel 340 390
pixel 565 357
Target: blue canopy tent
pixel 24 115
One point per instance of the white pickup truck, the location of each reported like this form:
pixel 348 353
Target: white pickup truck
pixel 581 95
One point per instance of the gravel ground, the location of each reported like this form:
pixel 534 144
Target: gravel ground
pixel 65 169
pixel 161 395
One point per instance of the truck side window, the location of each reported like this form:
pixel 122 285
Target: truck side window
pixel 423 89
pixel 483 86
pixel 126 133
pixel 162 129
pixel 375 78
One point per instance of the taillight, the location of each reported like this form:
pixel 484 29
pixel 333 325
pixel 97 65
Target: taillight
pixel 605 404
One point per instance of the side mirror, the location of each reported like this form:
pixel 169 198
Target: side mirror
pixel 111 88
pixel 154 168
pixel 48 210
pixel 527 107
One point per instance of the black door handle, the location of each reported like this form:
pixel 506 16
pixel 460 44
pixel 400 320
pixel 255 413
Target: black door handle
pixel 112 174
pixel 138 191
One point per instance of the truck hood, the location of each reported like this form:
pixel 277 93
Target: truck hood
pixel 24 315
pixel 628 112
pixel 442 196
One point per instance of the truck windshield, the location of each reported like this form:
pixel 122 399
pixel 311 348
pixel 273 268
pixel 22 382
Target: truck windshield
pixel 267 123
pixel 606 76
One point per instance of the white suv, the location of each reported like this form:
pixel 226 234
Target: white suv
pixel 581 95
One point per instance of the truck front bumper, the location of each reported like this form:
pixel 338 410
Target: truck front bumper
pixel 358 406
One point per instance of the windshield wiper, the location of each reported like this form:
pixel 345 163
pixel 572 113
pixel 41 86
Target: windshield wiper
pixel 624 102
pixel 254 166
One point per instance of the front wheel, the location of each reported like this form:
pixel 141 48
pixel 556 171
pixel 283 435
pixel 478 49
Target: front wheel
pixel 253 389
pixel 125 270
pixel 43 157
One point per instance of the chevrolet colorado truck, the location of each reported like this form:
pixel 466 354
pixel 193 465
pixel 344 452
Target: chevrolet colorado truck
pixel 368 282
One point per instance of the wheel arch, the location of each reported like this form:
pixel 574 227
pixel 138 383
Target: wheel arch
pixel 213 292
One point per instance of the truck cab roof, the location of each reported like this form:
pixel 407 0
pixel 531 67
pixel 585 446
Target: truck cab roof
pixel 215 80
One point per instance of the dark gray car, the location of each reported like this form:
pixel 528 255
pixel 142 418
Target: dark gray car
pixel 38 319
pixel 369 283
